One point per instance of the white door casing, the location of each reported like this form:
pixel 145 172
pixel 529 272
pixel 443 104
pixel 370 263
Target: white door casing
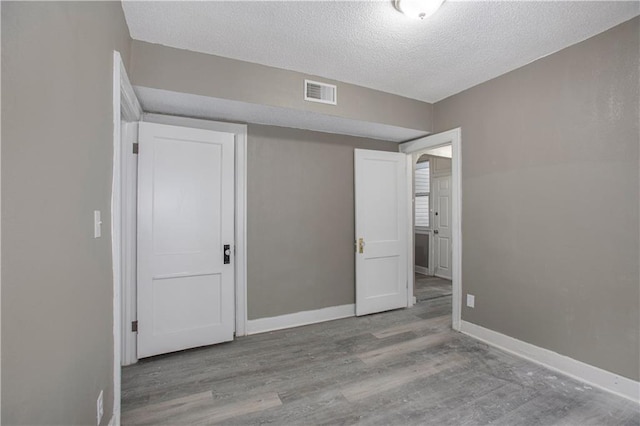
pixel 129 196
pixel 125 108
pixel 185 217
pixel 442 226
pixel 382 226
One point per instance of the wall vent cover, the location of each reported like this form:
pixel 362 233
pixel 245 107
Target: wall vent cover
pixel 320 92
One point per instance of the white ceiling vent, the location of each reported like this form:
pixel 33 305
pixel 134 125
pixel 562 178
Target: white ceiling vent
pixel 320 92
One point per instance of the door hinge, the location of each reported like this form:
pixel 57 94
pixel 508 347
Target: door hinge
pixel 135 147
pixel 134 326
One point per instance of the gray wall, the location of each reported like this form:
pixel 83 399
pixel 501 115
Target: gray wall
pixel 421 250
pixel 550 200
pixel 179 70
pixel 57 138
pixel 300 219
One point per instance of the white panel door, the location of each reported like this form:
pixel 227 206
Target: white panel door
pixel 185 218
pixel 381 230
pixel 442 226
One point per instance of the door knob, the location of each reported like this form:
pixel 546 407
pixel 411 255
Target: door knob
pixel 435 231
pixel 226 254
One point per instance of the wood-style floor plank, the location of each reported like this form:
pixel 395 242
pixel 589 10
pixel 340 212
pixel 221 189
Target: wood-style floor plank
pixel 430 287
pixel 443 321
pixel 199 408
pixel 405 367
pixel 215 415
pixel 414 345
pixel 156 413
pixel 399 377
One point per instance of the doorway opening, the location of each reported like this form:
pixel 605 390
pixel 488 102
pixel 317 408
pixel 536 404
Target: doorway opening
pixel 432 223
pixel 435 237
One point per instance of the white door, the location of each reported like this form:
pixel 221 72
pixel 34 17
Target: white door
pixel 442 226
pixel 185 220
pixel 381 230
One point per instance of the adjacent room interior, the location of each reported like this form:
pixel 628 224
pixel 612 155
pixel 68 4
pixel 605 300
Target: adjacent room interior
pixel 393 216
pixel 433 256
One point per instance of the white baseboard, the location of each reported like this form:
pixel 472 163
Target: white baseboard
pixel 610 382
pixel 298 319
pixel 421 270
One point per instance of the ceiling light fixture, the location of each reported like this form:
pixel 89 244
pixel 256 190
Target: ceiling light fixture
pixel 418 9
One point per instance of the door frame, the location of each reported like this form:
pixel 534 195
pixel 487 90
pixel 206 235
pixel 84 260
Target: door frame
pixel 125 108
pixel 453 137
pixel 128 208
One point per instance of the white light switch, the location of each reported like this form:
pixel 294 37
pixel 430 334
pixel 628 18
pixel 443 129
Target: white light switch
pixel 471 301
pixel 97 224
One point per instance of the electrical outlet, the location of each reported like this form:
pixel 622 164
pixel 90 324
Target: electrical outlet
pixel 99 408
pixel 471 301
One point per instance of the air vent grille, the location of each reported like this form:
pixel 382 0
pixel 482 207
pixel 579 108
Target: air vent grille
pixel 320 92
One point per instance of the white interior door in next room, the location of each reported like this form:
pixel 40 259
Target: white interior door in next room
pixel 381 231
pixel 185 238
pixel 442 253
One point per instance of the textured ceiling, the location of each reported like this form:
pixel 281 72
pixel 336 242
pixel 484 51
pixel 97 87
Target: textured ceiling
pixel 370 44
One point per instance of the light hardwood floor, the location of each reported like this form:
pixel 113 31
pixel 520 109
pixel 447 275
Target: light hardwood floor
pixel 396 368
